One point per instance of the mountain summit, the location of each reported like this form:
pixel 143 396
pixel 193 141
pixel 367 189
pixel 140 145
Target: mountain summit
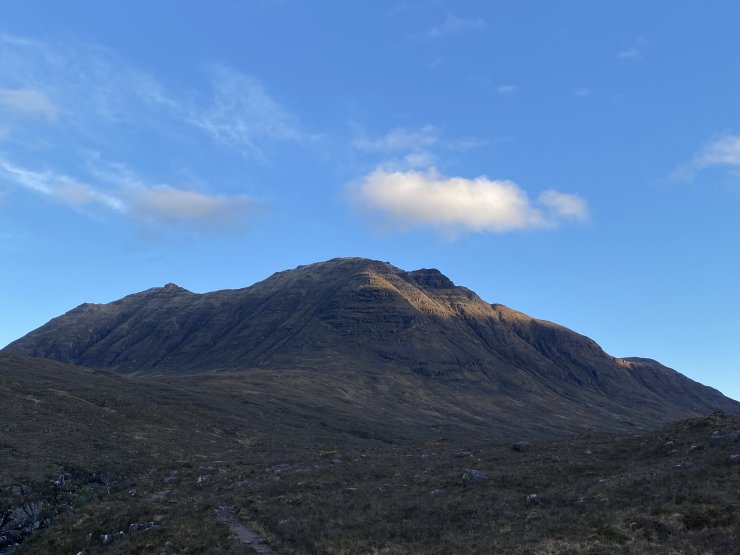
pixel 384 328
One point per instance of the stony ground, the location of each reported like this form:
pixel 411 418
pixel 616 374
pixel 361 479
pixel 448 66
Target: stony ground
pixel 672 491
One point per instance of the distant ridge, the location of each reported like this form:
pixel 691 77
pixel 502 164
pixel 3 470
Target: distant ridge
pixel 380 327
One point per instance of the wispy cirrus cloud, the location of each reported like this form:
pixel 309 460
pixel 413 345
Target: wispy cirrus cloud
pixel 426 137
pixel 243 115
pixel 506 90
pixel 102 103
pixel 91 85
pixel 27 102
pixel 405 200
pixel 400 138
pixel 634 52
pixel 63 188
pixel 407 148
pixel 722 151
pixel 453 25
pixel 94 88
pixel 121 192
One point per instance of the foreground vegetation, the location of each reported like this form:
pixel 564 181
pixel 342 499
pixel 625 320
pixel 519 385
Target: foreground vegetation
pixel 594 493
pixel 101 465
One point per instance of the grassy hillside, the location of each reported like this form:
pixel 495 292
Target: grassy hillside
pixel 160 459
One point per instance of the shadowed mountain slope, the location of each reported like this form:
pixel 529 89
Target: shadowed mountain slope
pixel 67 414
pixel 390 338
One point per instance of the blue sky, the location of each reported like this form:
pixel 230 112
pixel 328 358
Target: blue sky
pixel 577 161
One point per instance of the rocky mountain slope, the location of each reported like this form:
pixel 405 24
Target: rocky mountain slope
pixel 376 338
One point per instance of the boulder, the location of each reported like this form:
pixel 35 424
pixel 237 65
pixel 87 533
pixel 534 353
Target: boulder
pixel 472 475
pixel 727 439
pixel 24 517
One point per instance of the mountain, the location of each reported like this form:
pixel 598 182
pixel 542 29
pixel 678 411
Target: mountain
pixel 369 336
pixel 95 419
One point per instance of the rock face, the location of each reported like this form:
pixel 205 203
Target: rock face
pixel 353 316
pixel 19 522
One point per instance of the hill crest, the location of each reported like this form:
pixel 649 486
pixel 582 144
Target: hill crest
pixel 376 324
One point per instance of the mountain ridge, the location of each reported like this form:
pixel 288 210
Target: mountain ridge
pixel 371 322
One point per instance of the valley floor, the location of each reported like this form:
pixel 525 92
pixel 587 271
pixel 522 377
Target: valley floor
pixel 672 491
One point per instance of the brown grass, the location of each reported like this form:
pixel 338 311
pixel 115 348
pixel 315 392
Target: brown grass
pixel 132 452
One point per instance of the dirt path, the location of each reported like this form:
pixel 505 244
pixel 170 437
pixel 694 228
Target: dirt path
pixel 228 516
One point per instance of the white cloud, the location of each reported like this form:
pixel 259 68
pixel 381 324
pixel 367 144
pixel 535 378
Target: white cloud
pixel 27 102
pixel 163 204
pixel 454 205
pixel 400 139
pixel 723 151
pixel 123 193
pixel 453 25
pixel 506 89
pixel 634 52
